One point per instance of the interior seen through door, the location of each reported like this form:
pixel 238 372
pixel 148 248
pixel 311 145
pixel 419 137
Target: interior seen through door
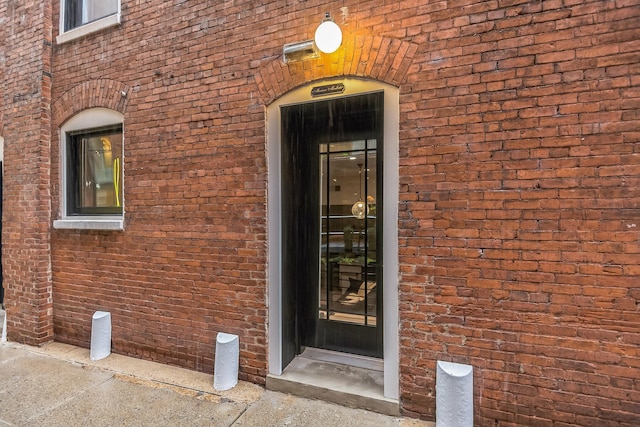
pixel 347 284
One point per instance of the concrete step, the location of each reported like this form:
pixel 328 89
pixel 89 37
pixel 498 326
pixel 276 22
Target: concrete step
pixel 353 386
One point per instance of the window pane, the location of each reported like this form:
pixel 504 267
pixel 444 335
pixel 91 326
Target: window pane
pixel 96 9
pixel 95 172
pixel 80 12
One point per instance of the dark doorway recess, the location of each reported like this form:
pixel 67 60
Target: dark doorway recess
pixel 1 285
pixel 332 154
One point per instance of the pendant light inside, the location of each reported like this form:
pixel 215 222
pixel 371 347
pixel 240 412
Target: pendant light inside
pixel 360 209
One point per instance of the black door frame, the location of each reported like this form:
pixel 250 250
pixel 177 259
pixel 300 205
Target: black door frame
pixel 305 126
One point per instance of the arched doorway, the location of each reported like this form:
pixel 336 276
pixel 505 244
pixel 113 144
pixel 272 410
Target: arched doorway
pixel 332 144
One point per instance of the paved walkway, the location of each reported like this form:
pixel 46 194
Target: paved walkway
pixel 57 385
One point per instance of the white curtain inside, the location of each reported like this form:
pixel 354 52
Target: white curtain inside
pixel 96 9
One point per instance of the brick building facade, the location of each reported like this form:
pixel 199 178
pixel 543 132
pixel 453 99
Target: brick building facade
pixel 511 169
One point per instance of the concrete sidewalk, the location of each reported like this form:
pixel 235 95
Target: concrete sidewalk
pixel 57 385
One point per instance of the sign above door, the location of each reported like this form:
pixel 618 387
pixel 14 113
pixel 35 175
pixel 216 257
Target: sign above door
pixel 327 89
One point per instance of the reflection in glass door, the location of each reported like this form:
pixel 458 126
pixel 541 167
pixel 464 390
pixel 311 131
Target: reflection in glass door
pixel 347 284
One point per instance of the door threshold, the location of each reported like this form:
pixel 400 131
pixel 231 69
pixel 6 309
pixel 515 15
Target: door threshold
pixel 344 384
pixel 348 359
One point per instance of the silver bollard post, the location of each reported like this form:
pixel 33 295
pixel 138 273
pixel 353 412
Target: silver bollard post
pixel 225 374
pixel 454 395
pixel 100 335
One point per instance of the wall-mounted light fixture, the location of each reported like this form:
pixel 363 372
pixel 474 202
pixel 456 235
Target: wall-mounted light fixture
pixel 328 39
pixel 328 36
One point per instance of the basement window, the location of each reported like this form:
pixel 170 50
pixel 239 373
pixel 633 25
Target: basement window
pixel 81 17
pixel 92 171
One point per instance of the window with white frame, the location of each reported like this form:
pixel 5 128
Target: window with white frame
pixel 92 170
pixel 81 17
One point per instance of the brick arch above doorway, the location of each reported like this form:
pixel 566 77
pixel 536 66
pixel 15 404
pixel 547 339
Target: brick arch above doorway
pixel 380 58
pixel 103 93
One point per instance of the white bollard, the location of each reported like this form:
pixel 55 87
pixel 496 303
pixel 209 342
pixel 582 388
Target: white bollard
pixel 454 395
pixel 100 335
pixel 4 328
pixel 225 372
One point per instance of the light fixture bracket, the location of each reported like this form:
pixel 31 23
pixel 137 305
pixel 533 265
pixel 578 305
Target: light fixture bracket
pixel 300 51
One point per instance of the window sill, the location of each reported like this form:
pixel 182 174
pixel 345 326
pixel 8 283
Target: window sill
pixel 91 27
pixel 89 223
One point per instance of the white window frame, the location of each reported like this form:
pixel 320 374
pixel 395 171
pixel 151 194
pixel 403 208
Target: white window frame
pixel 91 27
pixel 86 120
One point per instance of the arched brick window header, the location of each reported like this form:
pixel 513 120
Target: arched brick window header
pixel 102 93
pixel 380 58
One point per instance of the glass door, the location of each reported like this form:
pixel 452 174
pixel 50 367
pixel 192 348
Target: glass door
pixel 332 226
pixel 348 208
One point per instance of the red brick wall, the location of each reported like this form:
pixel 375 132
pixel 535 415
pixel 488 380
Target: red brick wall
pixel 191 260
pixel 25 59
pixel 3 62
pixel 519 211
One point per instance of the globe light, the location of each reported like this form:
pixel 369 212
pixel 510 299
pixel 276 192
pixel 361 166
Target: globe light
pixel 359 209
pixel 328 36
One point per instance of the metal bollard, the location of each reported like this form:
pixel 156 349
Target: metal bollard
pixel 454 395
pixel 100 335
pixel 225 373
